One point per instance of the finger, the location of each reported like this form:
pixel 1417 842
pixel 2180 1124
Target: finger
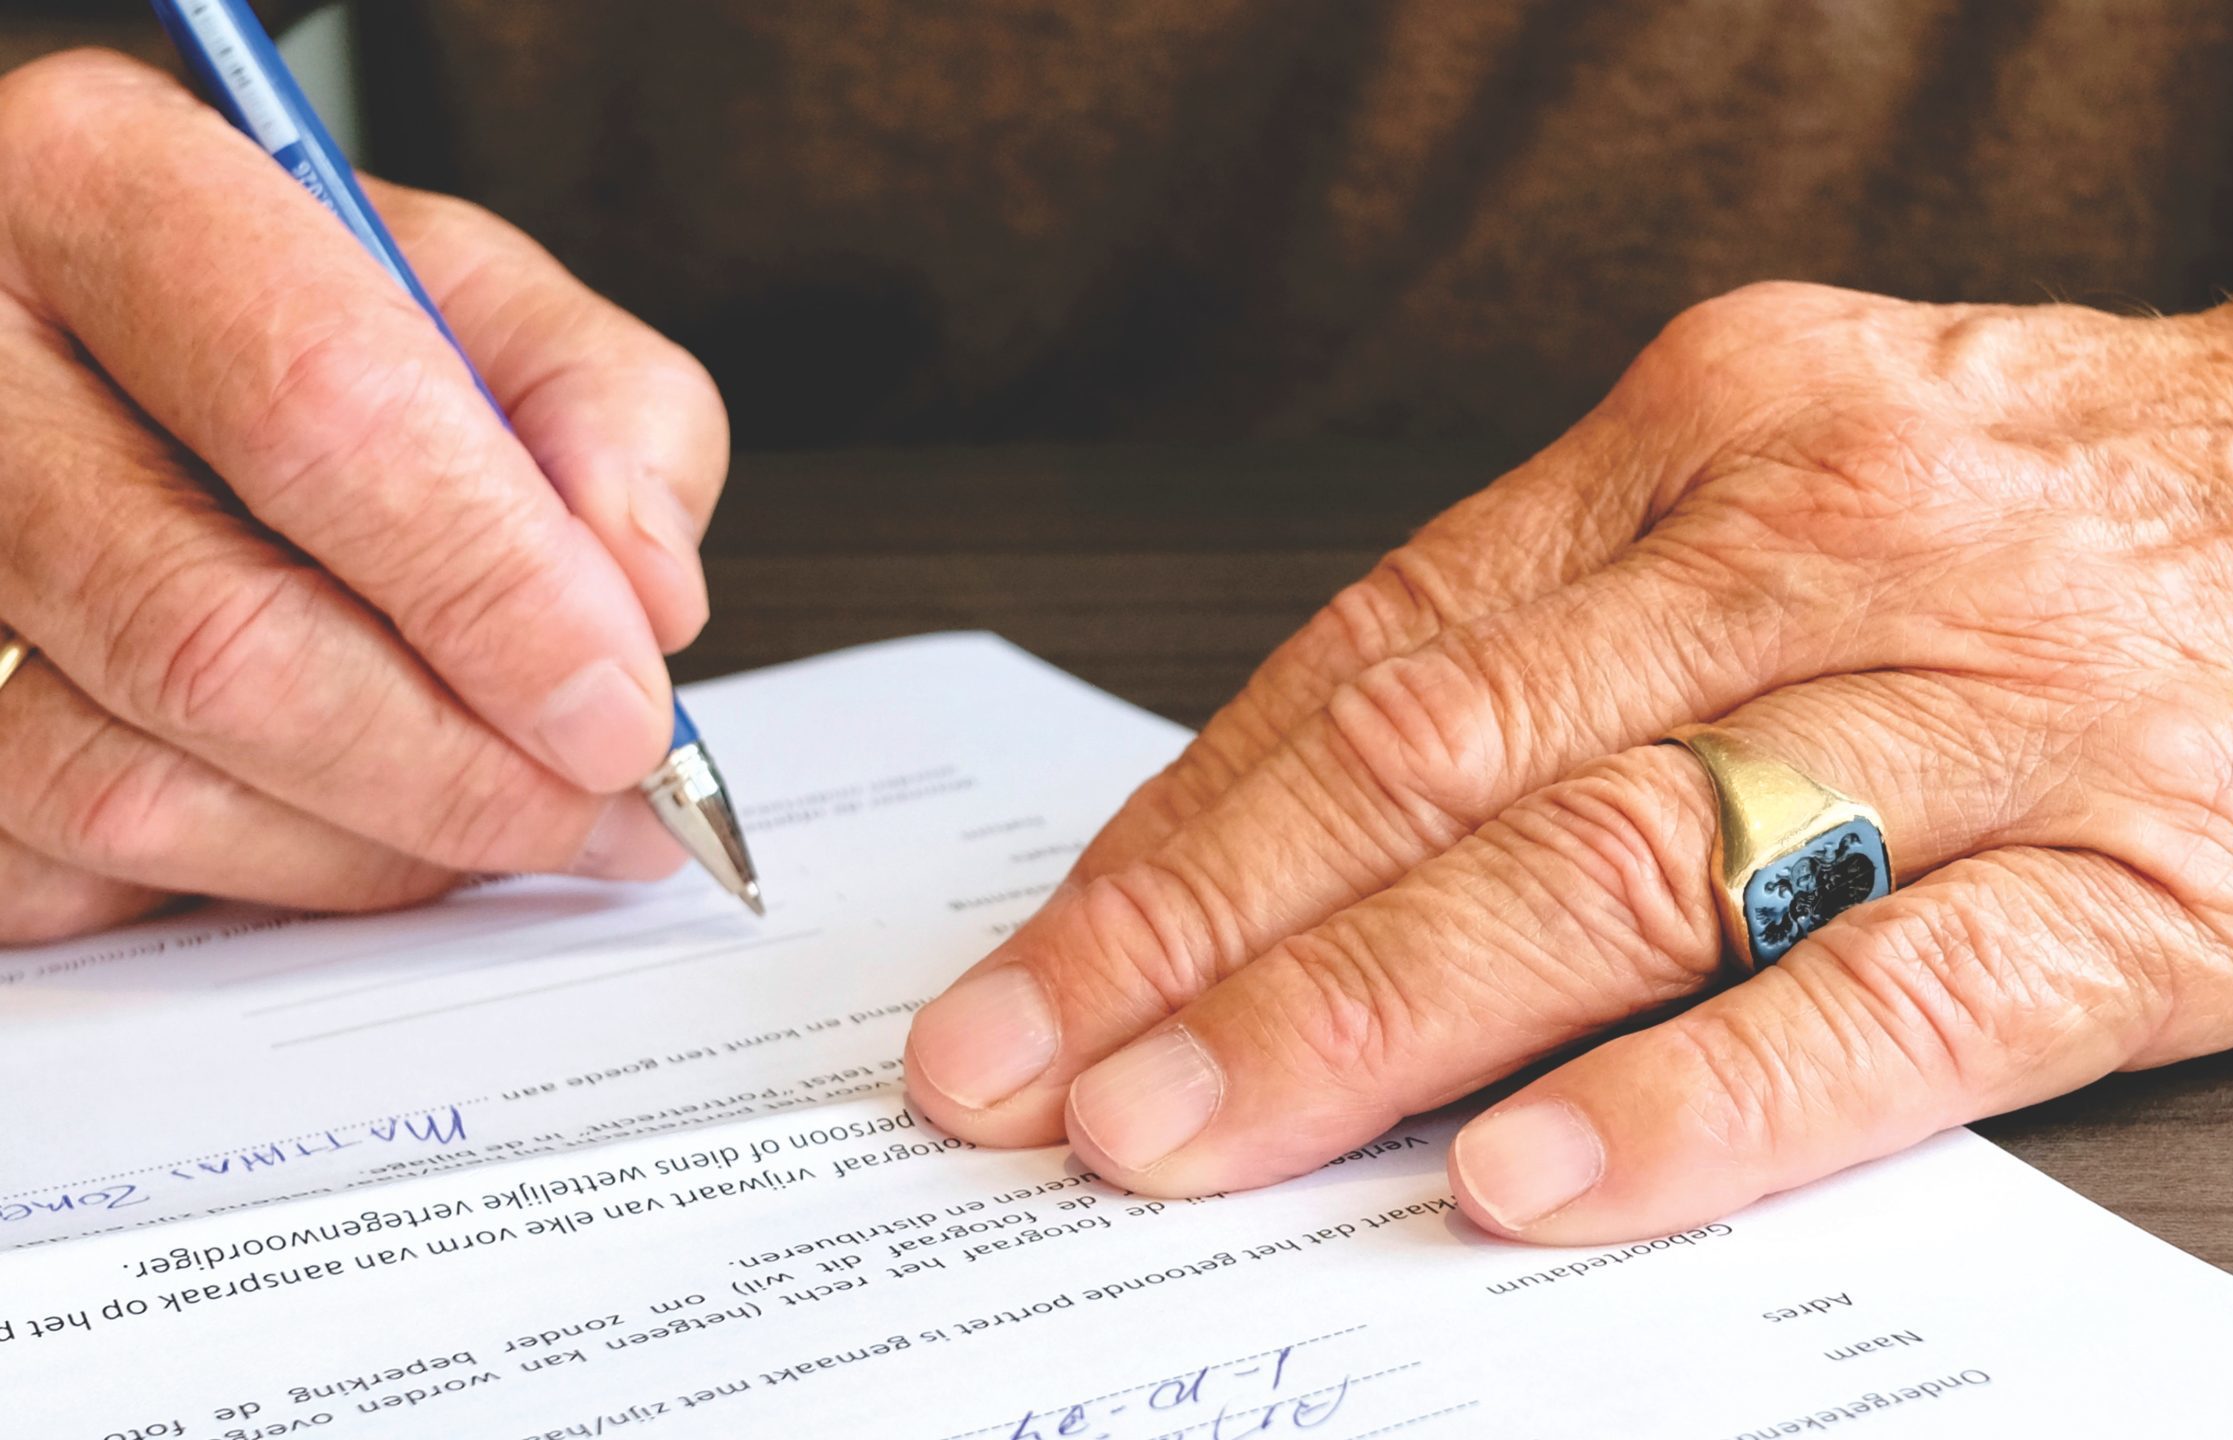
pixel 2001 981
pixel 253 328
pixel 1586 903
pixel 96 794
pixel 624 422
pixel 1562 515
pixel 43 900
pixel 190 625
pixel 1403 763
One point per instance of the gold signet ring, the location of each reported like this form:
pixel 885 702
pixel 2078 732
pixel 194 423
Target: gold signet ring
pixel 1790 853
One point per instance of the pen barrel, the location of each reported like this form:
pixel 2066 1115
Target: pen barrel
pixel 234 62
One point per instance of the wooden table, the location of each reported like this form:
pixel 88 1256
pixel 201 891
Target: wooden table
pixel 1164 575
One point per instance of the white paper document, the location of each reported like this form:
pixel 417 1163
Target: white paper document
pixel 908 804
pixel 552 1160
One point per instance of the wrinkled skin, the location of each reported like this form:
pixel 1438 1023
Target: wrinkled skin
pixel 1972 564
pixel 317 631
pixel 361 644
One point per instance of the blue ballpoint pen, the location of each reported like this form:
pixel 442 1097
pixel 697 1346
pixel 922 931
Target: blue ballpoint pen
pixel 229 53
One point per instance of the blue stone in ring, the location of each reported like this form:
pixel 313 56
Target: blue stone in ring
pixel 1794 895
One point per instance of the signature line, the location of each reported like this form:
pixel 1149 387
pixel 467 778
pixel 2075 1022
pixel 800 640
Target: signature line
pixel 691 957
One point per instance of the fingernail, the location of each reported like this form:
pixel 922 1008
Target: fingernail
pixel 594 726
pixel 986 1038
pixel 660 517
pixel 1148 1099
pixel 1527 1163
pixel 628 843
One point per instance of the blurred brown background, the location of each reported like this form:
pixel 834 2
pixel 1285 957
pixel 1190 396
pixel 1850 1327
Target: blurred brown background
pixel 886 221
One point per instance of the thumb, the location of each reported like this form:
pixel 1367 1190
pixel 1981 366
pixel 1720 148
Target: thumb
pixel 1975 991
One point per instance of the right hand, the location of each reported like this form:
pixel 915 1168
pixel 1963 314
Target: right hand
pixel 315 629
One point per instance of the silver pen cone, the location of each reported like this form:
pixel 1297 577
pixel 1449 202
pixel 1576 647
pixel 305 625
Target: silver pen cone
pixel 690 800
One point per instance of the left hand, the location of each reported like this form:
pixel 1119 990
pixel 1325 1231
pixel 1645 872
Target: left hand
pixel 1974 565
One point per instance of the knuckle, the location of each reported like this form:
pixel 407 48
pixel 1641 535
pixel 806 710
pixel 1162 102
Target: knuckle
pixel 1211 762
pixel 1748 315
pixel 1391 611
pixel 1977 985
pixel 57 99
pixel 1980 352
pixel 471 247
pixel 123 825
pixel 62 133
pixel 1181 789
pixel 1733 360
pixel 1340 1018
pixel 1706 333
pixel 1889 980
pixel 202 656
pixel 1150 935
pixel 1735 1077
pixel 117 820
pixel 2165 765
pixel 424 518
pixel 491 566
pixel 1428 736
pixel 328 377
pixel 335 404
pixel 1773 298
pixel 1971 349
pixel 1620 848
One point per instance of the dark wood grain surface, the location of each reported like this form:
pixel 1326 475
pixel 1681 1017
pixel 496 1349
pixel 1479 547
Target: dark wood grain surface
pixel 1165 575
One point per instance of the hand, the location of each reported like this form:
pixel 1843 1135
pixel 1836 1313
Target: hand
pixel 315 629
pixel 1972 564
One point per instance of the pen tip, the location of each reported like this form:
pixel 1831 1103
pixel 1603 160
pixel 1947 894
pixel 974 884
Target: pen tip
pixel 690 800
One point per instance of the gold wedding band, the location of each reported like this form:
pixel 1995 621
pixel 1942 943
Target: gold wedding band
pixel 14 650
pixel 1790 853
